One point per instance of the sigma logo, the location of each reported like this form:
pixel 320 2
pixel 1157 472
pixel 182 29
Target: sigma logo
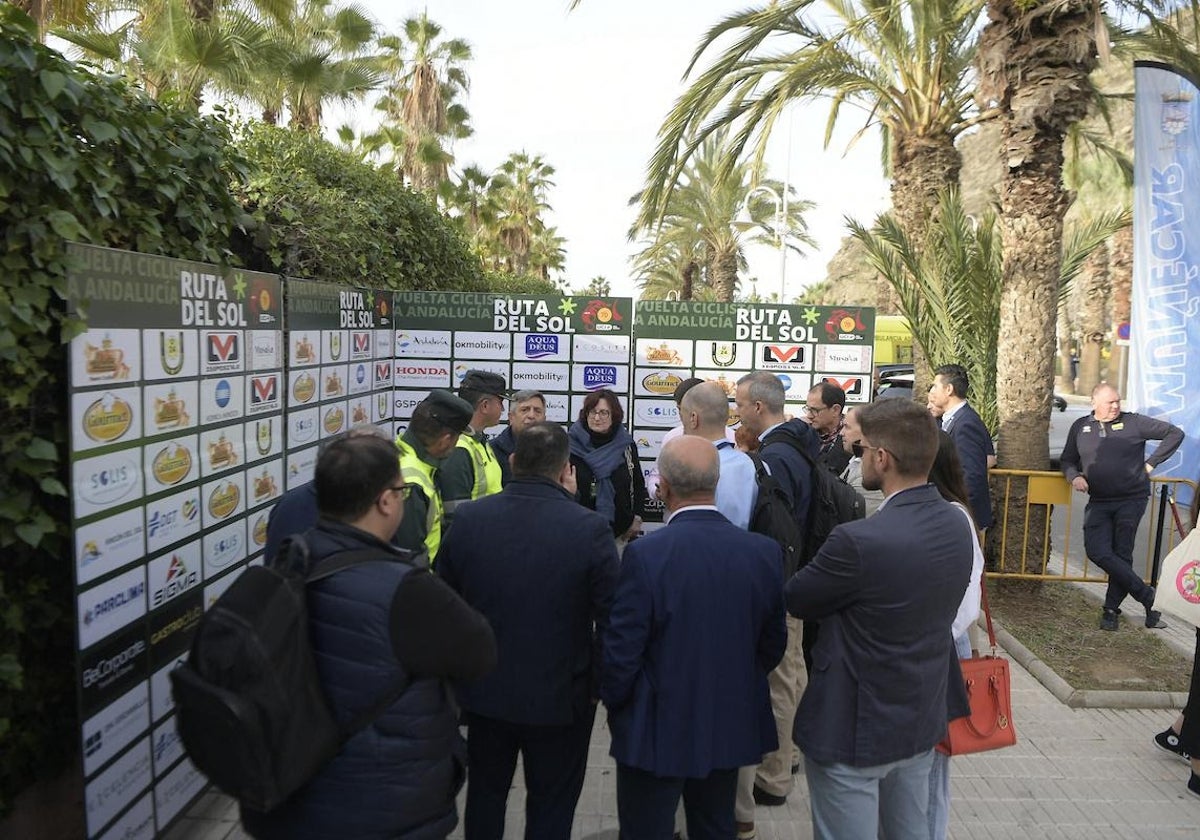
pixel 223 393
pixel 853 386
pixel 596 377
pixel 106 671
pixel 263 390
pixel 539 346
pixel 179 580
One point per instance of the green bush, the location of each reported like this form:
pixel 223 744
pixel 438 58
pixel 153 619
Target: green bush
pixel 82 158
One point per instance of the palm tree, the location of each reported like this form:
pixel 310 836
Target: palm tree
pixel 906 65
pixel 703 219
pixel 519 192
pixel 48 14
pixel 425 79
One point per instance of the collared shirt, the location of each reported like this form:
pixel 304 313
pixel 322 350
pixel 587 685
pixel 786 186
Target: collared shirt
pixel 671 514
pixel 948 415
pixel 770 429
pixel 737 488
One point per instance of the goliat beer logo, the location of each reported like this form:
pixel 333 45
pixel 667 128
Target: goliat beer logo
pixel 172 464
pixel 724 353
pixel 107 419
pixel 223 348
pixel 661 383
pixel 221 453
pixel 258 532
pixel 224 500
pixel 334 420
pixel 170 352
pixel 105 361
pixel 170 412
pixel 304 387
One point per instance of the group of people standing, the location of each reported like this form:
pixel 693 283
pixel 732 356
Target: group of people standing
pixel 515 591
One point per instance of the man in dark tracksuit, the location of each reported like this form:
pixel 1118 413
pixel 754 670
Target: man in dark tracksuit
pixel 1105 457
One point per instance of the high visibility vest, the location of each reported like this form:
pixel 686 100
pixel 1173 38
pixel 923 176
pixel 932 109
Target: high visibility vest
pixel 420 474
pixel 488 475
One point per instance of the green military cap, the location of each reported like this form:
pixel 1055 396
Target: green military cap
pixel 484 382
pixel 451 411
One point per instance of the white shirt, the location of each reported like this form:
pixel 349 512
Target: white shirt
pixel 671 513
pixel 948 415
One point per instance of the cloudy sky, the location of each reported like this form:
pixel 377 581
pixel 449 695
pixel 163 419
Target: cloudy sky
pixel 588 90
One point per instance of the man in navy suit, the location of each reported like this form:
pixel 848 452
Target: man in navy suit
pixel 696 625
pixel 885 677
pixel 948 394
pixel 542 569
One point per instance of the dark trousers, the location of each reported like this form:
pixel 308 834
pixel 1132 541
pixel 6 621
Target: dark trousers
pixel 646 804
pixel 554 758
pixel 1109 529
pixel 1189 736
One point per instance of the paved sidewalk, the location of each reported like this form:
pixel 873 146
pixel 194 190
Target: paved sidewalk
pixel 1090 774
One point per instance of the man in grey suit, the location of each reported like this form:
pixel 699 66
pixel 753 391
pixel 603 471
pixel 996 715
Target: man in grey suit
pixel 885 676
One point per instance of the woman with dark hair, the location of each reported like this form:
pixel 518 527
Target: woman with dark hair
pixel 947 475
pixel 1183 736
pixel 607 470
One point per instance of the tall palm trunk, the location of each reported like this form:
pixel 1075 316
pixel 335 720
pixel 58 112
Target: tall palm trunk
pixel 724 273
pixel 1066 349
pixel 1093 318
pixel 1120 270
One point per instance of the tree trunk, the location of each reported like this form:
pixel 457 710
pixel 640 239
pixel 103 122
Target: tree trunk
pixel 688 288
pixel 1066 351
pixel 1093 316
pixel 724 268
pixel 1120 272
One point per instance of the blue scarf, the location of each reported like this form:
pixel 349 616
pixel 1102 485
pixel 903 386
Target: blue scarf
pixel 603 461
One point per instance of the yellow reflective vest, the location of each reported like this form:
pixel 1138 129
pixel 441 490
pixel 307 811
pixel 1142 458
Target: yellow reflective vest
pixel 486 468
pixel 420 474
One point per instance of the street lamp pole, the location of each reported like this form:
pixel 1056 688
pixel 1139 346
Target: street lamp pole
pixel 780 219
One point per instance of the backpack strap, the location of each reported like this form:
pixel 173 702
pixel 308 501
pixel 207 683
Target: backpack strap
pixel 788 440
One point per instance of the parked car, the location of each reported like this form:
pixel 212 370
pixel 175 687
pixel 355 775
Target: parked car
pixel 896 380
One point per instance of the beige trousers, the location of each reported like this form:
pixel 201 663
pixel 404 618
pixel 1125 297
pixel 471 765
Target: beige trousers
pixel 787 683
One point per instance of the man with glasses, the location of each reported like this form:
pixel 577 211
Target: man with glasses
pixel 1105 457
pixel 886 679
pixel 823 409
pixel 473 469
pixel 524 409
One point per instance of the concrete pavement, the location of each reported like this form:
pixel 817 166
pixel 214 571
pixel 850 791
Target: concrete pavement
pixel 1090 774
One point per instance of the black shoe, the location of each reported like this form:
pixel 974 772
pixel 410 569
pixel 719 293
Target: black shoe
pixel 1169 741
pixel 1108 621
pixel 795 768
pixel 1154 620
pixel 761 797
pixel 1194 785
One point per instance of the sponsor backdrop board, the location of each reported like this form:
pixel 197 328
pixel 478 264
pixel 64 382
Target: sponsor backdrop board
pixel 176 398
pixel 565 347
pixel 339 368
pixel 721 342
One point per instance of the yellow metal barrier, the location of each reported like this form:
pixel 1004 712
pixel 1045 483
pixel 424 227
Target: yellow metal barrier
pixel 1035 506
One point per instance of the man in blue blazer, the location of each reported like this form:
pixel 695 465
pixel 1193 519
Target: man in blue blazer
pixel 541 568
pixel 696 625
pixel 948 393
pixel 885 677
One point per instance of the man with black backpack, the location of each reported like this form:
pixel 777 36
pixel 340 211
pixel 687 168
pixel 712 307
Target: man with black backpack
pixel 785 445
pixel 386 636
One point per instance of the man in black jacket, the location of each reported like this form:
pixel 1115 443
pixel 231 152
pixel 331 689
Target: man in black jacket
pixel 1105 457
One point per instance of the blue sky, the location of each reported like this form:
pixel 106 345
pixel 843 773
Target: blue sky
pixel 588 90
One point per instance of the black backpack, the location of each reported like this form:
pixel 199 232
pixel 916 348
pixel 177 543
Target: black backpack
pixel 772 516
pixel 249 705
pixel 831 503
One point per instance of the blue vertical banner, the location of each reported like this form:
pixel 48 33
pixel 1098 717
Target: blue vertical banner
pixel 1164 371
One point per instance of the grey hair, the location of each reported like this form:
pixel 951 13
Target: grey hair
pixel 688 478
pixel 765 388
pixel 526 394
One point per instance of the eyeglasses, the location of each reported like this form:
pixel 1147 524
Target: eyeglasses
pixel 599 412
pixel 809 409
pixel 857 448
pixel 405 490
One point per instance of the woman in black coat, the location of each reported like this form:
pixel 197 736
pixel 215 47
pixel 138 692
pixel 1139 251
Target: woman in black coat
pixel 607 469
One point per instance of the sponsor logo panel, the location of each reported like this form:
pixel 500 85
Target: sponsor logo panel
pixel 221 399
pixel 263 438
pixel 256 528
pixel 664 352
pixel 172 628
pixel 593 377
pixel 422 373
pixel 173 573
pixel 795 387
pixel 161 700
pixel 107 481
pixel 100 418
pixel 169 464
pixel 221 450
pixel 303 427
pixel 543 347
pixel 406 402
pixel 102 356
pixel 600 348
pixel 176 790
pixel 109 544
pixel 648 382
pixel 333 382
pixel 845 325
pixel 649 443
pixel 383 373
pixel 168 747
pixel 114 727
pixel 300 466
pixel 360 344
pixel 359 411
pixel 656 413
pixel 106 608
pixel 222 352
pixel 540 376
pixel 172 518
pixel 264 483
pixel 855 357
pixel 113 789
pixel 223 499
pixel 170 406
pixel 111 669
pixel 558 408
pixel 738 355
pixel 789 357
pixel 361 378
pixel 482 345
pixel 381 406
pixel 302 387
pixel 422 344
pixel 602 316
pixel 304 348
pixel 461 368
pixel 170 353
pixel 727 379
pixel 265 349
pixel 263 393
pixel 135 824
pixel 855 385
pixel 224 547
pixel 335 346
pixel 333 419
pixel 214 590
pixel 385 344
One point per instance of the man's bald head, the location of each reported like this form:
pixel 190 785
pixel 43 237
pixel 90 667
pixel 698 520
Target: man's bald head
pixel 710 405
pixel 689 467
pixel 1106 402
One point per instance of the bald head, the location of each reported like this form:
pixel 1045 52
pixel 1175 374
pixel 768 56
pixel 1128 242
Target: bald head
pixel 1106 402
pixel 688 469
pixel 705 411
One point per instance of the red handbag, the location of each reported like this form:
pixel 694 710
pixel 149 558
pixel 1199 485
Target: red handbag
pixel 988 684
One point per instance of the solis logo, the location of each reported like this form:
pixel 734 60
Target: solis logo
pixel 852 386
pixel 783 354
pixel 539 346
pixel 223 393
pixel 596 377
pixel 222 348
pixel 264 389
